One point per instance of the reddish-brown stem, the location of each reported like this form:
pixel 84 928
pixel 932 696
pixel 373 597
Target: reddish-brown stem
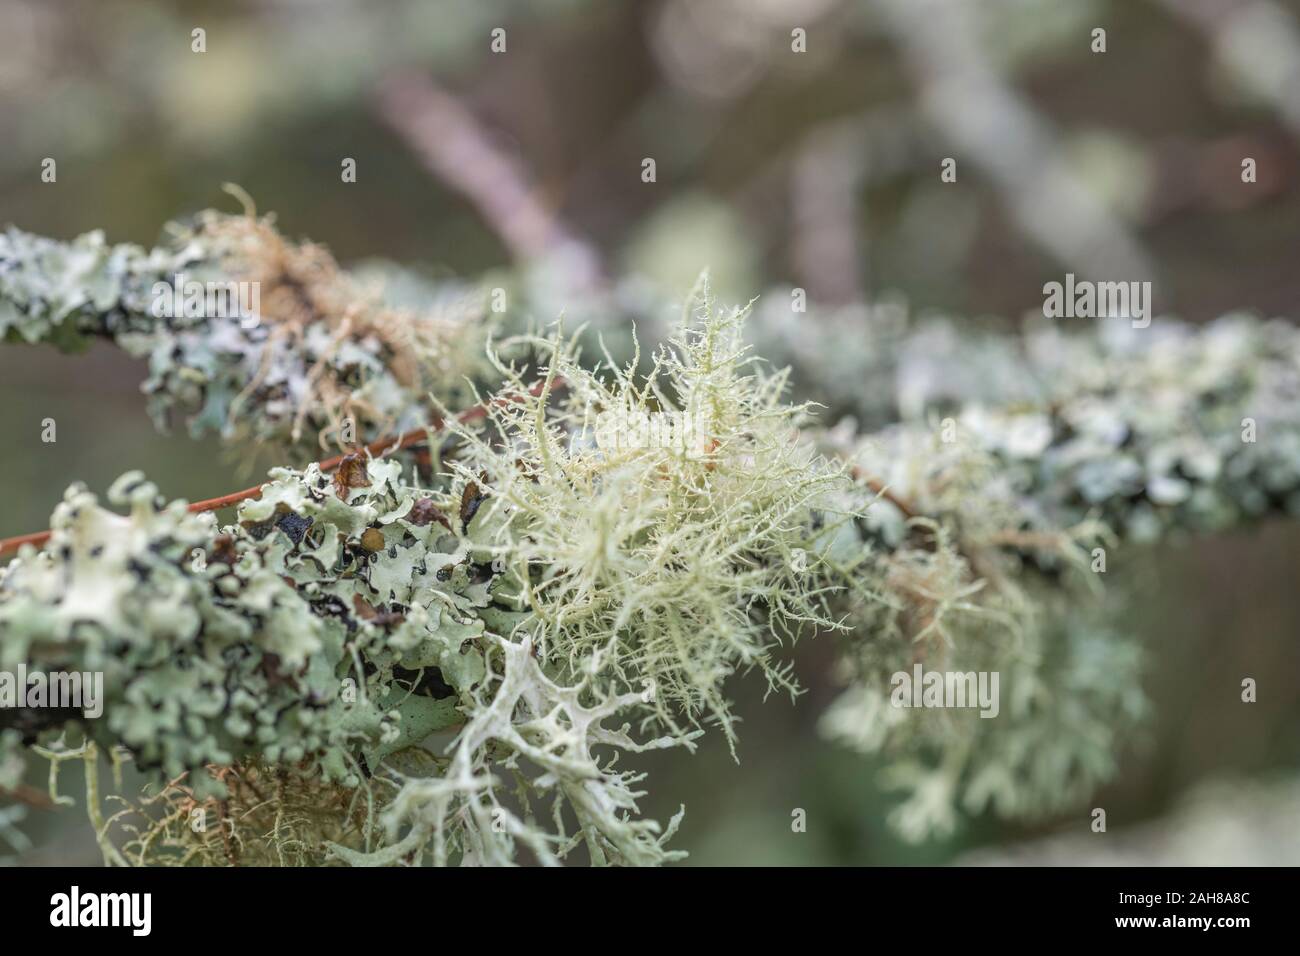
pixel 879 488
pixel 30 796
pixel 376 449
pixel 11 545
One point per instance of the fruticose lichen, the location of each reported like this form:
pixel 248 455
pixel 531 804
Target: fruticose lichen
pixel 320 350
pixel 545 588
pixel 449 655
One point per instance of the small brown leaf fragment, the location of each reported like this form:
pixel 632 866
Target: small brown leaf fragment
pixel 372 539
pixel 223 550
pixel 709 448
pixel 367 612
pixel 269 666
pixel 30 796
pixel 350 474
pixel 470 499
pixel 425 511
pixel 423 463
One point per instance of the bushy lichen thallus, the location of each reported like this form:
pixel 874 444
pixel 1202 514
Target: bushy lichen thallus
pixel 447 642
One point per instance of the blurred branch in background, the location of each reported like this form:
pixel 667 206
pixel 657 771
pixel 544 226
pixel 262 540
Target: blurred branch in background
pixel 829 169
pixel 1258 41
pixel 967 100
pixel 455 148
pixel 1219 823
pixel 826 235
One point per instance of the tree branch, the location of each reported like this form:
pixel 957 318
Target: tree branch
pixel 376 449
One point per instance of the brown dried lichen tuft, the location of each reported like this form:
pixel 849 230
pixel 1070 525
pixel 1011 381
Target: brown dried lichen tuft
pixel 351 473
pixel 302 286
pixel 269 817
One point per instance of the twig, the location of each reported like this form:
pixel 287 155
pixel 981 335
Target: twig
pixel 1274 76
pixel 29 795
pixel 455 148
pixel 879 487
pixel 376 449
pixel 826 238
pixel 969 101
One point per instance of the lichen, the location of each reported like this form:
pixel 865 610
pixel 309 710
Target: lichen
pixel 324 363
pixel 448 656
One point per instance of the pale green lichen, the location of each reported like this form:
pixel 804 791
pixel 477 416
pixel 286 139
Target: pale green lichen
pixel 324 362
pixel 221 644
pixel 549 584
pixel 1143 436
pixel 373 668
pixel 672 550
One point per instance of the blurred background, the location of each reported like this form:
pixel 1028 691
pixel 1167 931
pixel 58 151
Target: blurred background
pixel 796 143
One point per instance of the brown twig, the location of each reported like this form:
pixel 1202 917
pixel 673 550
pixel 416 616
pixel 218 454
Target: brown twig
pixel 460 151
pixel 29 796
pixel 1029 540
pixel 878 486
pixel 376 449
